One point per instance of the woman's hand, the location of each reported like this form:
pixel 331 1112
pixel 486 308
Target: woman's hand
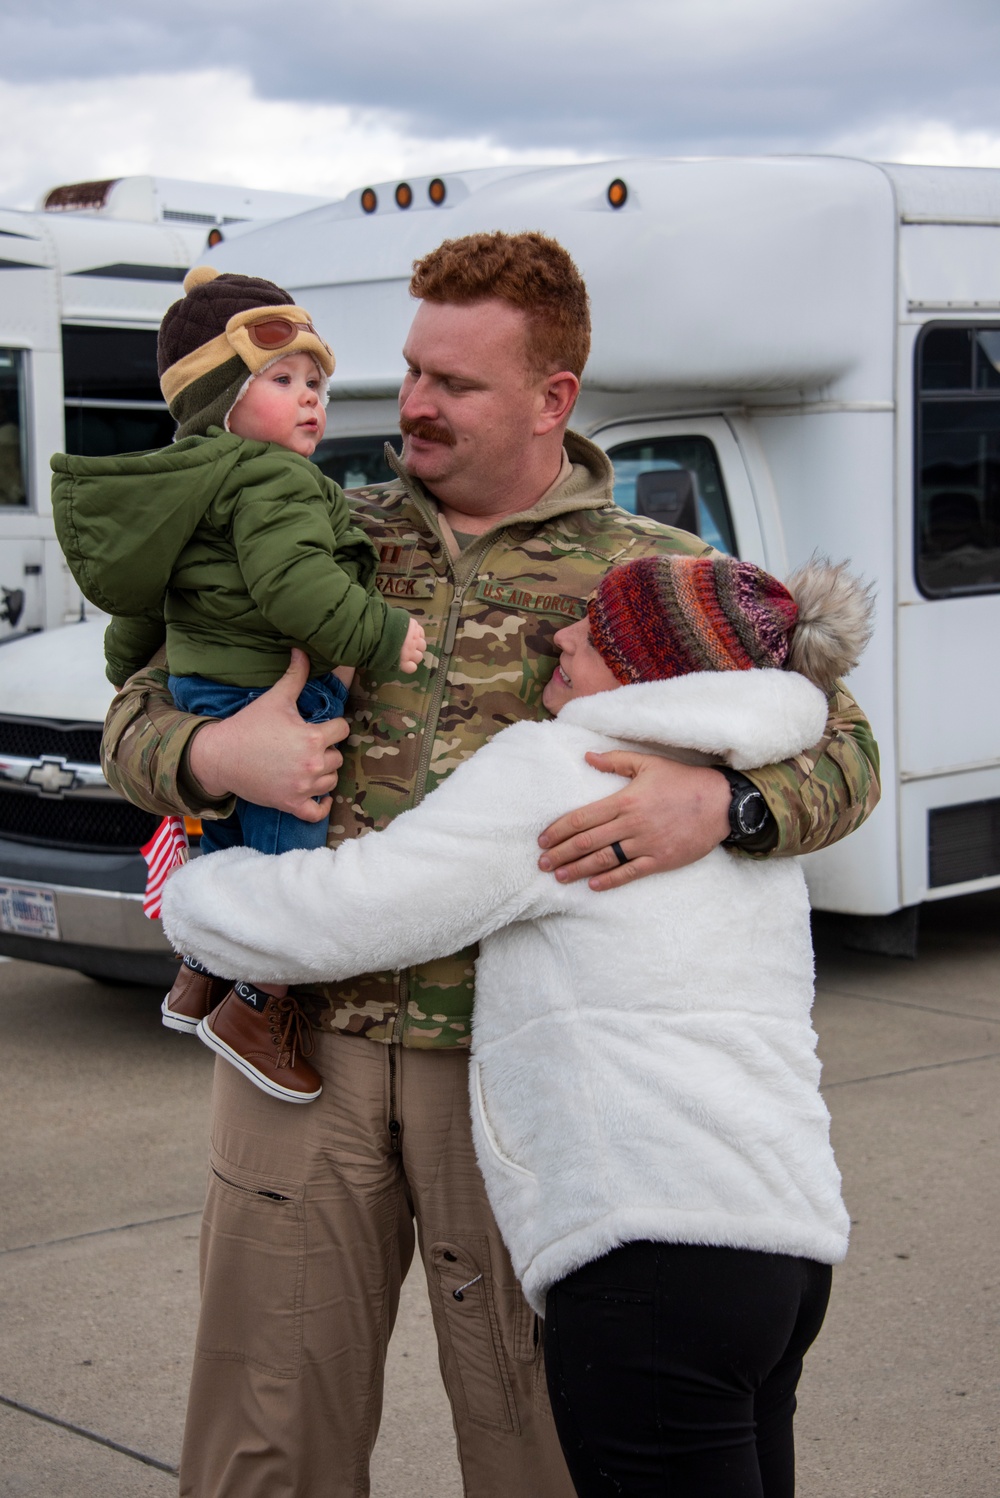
pixel 670 815
pixel 267 754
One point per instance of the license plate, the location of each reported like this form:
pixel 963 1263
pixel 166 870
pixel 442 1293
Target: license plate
pixel 28 912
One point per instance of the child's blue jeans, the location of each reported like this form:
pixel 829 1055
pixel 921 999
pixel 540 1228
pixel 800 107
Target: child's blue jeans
pixel 250 826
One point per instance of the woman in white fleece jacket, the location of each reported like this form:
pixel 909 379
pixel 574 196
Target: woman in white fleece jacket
pixel 645 1089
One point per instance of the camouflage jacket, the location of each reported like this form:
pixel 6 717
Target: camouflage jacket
pixel 489 615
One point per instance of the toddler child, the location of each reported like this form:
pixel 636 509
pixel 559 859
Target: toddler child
pixel 232 547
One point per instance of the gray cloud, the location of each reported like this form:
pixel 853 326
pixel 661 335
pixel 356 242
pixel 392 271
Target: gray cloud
pixel 632 75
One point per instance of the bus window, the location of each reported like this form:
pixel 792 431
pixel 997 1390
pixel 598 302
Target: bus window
pixel 112 392
pixel 353 462
pixel 110 364
pixel 957 469
pixel 100 430
pixel 13 465
pixel 694 455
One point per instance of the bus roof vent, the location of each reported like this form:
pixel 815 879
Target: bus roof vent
pixel 184 216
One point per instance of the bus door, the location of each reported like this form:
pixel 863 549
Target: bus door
pixel 687 472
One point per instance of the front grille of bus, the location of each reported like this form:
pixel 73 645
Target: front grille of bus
pixel 963 842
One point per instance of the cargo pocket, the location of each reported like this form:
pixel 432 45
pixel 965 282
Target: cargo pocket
pixel 469 1332
pixel 518 1322
pixel 252 1271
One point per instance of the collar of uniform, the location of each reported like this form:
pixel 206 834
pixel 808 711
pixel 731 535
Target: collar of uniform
pixel 585 482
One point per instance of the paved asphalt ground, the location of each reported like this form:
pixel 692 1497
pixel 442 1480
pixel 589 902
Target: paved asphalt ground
pixel 104 1117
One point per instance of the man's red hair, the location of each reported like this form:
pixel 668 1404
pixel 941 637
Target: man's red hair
pixel 528 271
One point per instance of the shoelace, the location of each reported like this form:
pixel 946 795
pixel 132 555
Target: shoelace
pixel 294 1029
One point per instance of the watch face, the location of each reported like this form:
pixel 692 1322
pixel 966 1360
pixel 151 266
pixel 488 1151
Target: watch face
pixel 751 812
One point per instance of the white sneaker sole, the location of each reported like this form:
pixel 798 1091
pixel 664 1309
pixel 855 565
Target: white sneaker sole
pixel 179 1022
pixel 273 1089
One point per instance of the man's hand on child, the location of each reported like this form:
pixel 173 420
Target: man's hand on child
pixel 267 754
pixel 413 649
pixel 669 815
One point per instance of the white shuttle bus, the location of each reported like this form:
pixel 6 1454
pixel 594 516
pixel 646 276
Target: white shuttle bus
pixel 790 355
pixel 84 282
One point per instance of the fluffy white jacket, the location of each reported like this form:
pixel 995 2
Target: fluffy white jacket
pixel 643 1060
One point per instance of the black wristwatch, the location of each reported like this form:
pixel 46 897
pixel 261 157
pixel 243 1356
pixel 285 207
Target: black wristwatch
pixel 749 813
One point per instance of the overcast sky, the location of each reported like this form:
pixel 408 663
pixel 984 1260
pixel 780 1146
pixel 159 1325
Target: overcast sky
pixel 325 95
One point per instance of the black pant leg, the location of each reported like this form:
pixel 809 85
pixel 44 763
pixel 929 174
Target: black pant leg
pixel 656 1356
pixel 775 1403
pixel 598 1355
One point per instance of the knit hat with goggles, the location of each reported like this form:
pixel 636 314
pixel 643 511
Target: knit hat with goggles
pixel 224 331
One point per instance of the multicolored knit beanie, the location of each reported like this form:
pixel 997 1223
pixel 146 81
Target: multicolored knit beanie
pixel 225 330
pixel 667 616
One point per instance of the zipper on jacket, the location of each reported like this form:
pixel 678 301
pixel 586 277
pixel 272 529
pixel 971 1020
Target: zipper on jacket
pixel 472 565
pixel 402 1004
pixel 451 625
pixel 447 647
pixel 437 699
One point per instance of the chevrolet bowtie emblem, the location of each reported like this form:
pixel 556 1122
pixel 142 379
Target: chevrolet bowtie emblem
pixel 51 776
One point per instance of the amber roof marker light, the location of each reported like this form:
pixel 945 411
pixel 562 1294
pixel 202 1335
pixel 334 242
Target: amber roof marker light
pixel 437 192
pixel 617 193
pixel 369 200
pixel 404 195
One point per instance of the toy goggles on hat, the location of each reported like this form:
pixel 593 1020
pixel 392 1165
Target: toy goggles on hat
pixel 262 334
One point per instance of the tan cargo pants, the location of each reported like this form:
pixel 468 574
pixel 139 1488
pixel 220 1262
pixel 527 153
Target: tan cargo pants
pixel 308 1234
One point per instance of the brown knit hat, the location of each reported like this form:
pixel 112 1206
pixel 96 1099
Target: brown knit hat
pixel 666 616
pixel 225 330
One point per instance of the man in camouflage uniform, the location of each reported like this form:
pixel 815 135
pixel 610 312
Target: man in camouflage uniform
pixel 494 535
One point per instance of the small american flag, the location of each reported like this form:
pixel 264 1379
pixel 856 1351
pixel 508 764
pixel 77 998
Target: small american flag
pixel 166 850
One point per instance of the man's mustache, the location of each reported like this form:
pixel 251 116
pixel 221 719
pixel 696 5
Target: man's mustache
pixel 426 431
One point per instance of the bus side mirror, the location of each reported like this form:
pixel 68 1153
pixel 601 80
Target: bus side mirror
pixel 12 606
pixel 670 496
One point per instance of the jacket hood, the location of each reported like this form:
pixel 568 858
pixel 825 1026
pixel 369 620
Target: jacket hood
pixel 743 718
pixel 109 512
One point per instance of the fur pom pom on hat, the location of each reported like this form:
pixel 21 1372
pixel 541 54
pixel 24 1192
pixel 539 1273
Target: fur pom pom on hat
pixel 836 615
pixel 226 329
pixel 667 616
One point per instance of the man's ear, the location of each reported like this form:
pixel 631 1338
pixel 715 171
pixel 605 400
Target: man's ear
pixel 558 396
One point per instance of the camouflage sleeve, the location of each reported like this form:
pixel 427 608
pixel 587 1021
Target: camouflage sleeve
pixel 143 752
pixel 824 793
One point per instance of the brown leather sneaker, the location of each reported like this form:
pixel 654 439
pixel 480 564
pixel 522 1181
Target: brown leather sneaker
pixel 267 1039
pixel 195 993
